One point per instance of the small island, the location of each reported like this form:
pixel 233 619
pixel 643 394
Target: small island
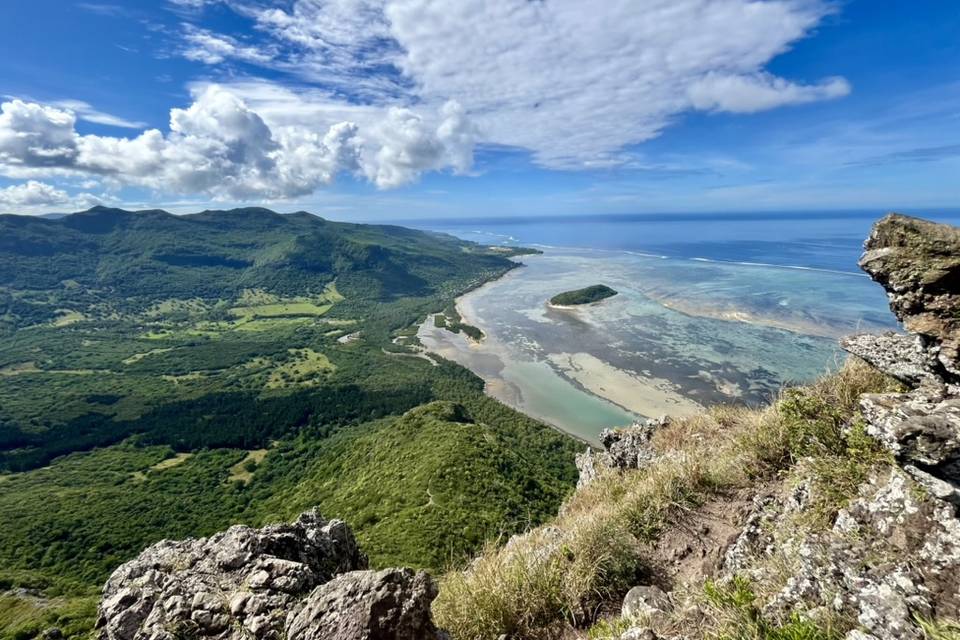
pixel 593 293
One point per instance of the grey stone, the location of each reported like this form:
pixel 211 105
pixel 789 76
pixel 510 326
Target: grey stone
pixel 627 448
pixel 900 356
pixel 233 584
pixel 393 604
pixel 918 263
pixel 645 603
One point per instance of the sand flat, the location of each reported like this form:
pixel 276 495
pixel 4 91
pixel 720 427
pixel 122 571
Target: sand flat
pixel 639 394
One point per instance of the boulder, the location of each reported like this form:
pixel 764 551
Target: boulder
pixel 393 604
pixel 646 602
pixel 899 356
pixel 244 583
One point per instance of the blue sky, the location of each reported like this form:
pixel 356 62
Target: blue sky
pixel 377 109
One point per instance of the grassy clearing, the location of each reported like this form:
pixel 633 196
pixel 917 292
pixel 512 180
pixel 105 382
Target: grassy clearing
pixel 559 575
pixel 305 367
pixel 28 617
pixel 243 471
pixel 170 463
pixel 137 357
pixel 256 303
pixel 281 310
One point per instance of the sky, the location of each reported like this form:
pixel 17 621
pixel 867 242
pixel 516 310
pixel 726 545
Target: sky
pixel 404 109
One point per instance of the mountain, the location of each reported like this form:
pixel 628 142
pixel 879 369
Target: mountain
pixel 166 376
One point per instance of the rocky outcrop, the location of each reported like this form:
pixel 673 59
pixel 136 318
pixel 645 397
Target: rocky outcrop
pixel 627 448
pixel 918 263
pixel 891 556
pixel 298 581
pixel 394 603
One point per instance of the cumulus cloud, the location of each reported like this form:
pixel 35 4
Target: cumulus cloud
pixel 390 89
pixel 220 147
pixel 33 195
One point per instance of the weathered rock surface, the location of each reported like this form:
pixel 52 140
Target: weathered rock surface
pixel 899 356
pixel 645 602
pixel 267 583
pixel 393 604
pixel 627 448
pixel 893 554
pixel 918 263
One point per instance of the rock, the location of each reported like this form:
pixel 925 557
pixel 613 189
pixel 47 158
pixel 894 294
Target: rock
pixel 645 603
pixel 235 584
pixel 918 263
pixel 856 634
pixel 639 633
pixel 899 356
pixel 627 448
pixel 393 604
pixel 920 430
pixel 893 555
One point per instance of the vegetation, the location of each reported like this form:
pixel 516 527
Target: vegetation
pixel 561 574
pixel 167 376
pixel 593 293
pixel 451 320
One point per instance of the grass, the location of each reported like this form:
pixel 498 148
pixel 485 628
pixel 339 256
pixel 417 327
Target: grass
pixel 305 367
pixel 22 618
pixel 282 310
pixel 559 575
pixel 243 470
pixel 942 629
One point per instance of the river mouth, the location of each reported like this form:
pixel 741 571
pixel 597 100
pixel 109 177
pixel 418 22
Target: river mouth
pixel 681 336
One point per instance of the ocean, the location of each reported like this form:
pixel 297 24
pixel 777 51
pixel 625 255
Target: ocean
pixel 711 309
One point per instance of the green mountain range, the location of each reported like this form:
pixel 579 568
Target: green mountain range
pixel 168 376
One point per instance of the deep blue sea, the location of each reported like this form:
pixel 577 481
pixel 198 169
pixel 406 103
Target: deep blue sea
pixel 824 240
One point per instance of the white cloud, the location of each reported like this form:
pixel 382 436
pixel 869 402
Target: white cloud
pixel 747 94
pixel 204 46
pixel 396 88
pixel 572 83
pixel 222 148
pixel 33 195
pixel 85 111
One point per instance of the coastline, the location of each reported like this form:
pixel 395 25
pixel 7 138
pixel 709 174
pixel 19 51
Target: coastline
pixel 548 389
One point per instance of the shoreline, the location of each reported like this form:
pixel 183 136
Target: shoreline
pixel 634 395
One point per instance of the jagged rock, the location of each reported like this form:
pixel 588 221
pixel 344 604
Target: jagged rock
pixel 899 356
pixel 918 263
pixel 893 554
pixel 645 603
pixel 393 604
pixel 627 448
pixel 236 584
pixel 919 429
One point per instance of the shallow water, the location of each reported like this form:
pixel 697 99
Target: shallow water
pixel 705 314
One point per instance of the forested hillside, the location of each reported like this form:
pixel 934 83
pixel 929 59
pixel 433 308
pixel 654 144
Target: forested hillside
pixel 167 376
